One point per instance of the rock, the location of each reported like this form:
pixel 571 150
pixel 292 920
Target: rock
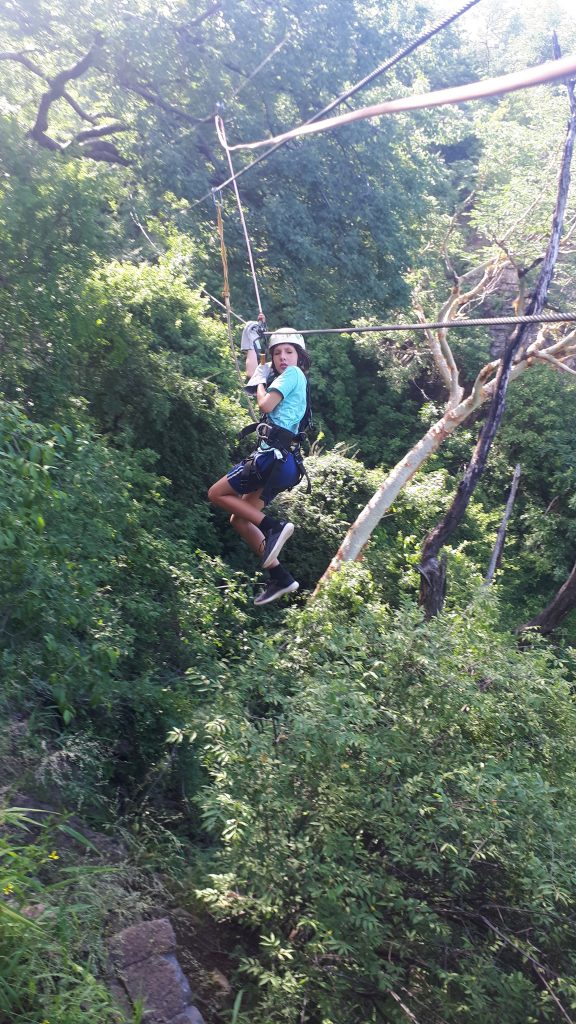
pixel 221 981
pixel 151 938
pixel 118 993
pixel 162 986
pixel 144 957
pixel 190 1016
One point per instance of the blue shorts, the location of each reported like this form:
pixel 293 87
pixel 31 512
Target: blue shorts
pixel 263 470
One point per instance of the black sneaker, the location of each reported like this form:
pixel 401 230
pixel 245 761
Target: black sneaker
pixel 274 541
pixel 275 590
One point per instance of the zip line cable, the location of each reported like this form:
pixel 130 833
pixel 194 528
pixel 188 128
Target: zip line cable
pixel 221 133
pixel 541 318
pixel 400 55
pixel 551 71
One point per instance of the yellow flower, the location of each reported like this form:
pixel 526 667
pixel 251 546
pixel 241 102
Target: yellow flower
pixel 53 856
pixel 8 889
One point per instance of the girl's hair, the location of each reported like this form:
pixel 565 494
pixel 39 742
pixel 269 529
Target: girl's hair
pixel 303 360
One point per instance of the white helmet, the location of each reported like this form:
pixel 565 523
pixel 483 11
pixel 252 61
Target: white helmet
pixel 286 336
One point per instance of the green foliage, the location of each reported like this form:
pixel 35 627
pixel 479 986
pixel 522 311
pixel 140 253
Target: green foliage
pixel 101 613
pixel 56 221
pixel 359 403
pixel 50 949
pixel 391 802
pixel 157 371
pixel 402 818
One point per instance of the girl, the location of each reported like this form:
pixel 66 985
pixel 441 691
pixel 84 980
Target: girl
pixel 275 466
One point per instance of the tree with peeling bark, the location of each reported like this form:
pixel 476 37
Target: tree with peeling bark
pixel 555 348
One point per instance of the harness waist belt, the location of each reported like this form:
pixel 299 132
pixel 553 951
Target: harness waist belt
pixel 276 437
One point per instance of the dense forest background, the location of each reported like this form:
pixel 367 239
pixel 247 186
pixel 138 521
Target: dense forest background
pixel 361 813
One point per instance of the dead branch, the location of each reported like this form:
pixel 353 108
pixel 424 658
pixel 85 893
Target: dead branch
pixel 555 362
pixel 85 143
pixel 563 602
pixel 403 1006
pixel 432 581
pixel 538 967
pixel 486 387
pixel 501 536
pixel 21 57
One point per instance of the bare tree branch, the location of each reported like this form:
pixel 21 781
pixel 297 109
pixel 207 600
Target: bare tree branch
pixel 538 967
pixel 403 1006
pixel 21 57
pixel 555 362
pixel 88 143
pixel 432 577
pixel 501 536
pixel 514 363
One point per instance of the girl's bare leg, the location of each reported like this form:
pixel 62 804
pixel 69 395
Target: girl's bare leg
pixel 246 514
pixel 225 497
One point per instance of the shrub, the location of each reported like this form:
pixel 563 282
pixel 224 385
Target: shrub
pixel 397 820
pixel 50 943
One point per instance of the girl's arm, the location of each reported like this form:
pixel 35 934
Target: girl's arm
pixel 267 401
pixel 251 362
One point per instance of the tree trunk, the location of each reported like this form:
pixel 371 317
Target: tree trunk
pixel 561 604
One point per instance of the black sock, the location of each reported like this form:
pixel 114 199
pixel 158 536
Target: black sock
pixel 279 574
pixel 268 523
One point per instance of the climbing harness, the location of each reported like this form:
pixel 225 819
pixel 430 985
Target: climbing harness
pixel 268 462
pixel 283 443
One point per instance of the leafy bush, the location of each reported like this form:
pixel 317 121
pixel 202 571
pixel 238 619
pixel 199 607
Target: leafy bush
pixel 50 945
pixel 396 808
pixel 103 613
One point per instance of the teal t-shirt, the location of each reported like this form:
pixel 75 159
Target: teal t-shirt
pixel 292 386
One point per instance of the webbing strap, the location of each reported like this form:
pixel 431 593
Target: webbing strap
pixel 226 296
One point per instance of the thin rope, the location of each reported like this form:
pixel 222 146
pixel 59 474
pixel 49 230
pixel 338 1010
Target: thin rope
pixel 221 304
pixel 226 294
pixel 400 55
pixel 551 71
pixel 541 318
pixel 221 133
pixel 161 252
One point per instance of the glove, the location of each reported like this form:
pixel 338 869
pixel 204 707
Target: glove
pixel 260 376
pixel 251 337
